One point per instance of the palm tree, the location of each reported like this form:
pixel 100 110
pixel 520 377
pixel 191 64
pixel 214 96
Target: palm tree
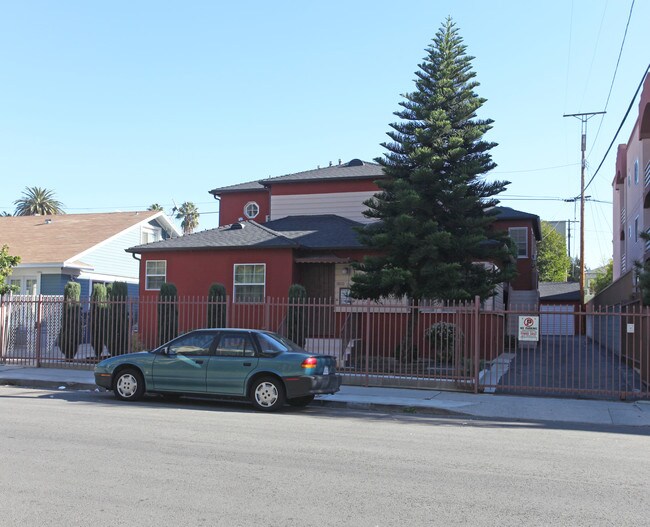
pixel 155 206
pixel 190 216
pixel 37 200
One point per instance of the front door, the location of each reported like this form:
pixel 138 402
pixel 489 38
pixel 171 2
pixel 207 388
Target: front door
pixel 318 280
pixel 235 356
pixel 183 367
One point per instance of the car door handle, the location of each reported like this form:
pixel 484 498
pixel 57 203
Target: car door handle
pixel 248 363
pixel 199 361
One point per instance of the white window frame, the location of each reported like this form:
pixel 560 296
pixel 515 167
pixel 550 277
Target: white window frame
pixel 150 234
pixel 251 204
pixel 235 284
pixel 21 282
pixel 519 229
pixel 148 275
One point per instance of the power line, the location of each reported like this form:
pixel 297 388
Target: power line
pixel 621 125
pixel 611 86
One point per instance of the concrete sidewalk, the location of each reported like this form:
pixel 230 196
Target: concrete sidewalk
pixel 406 400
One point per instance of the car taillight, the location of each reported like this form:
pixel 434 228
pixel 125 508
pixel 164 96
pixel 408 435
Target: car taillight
pixel 310 362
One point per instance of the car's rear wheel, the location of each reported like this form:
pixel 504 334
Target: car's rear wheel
pixel 267 394
pixel 301 401
pixel 129 385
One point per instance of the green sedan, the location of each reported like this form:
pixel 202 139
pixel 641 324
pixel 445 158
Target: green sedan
pixel 260 366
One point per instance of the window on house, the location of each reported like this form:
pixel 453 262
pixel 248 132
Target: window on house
pixel 150 234
pixel 251 210
pixel 249 282
pixel 636 172
pixel 156 274
pixel 636 229
pixel 519 235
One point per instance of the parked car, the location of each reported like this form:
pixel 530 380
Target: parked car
pixel 261 366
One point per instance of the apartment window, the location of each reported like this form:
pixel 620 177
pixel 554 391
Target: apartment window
pixel 636 172
pixel 156 274
pixel 251 210
pixel 636 229
pixel 249 282
pixel 519 235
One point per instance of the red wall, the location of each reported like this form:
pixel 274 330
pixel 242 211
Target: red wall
pixel 232 206
pixel 192 272
pixel 526 268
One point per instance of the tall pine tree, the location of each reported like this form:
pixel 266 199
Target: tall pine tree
pixel 435 230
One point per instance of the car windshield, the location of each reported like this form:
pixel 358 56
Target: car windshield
pixel 275 342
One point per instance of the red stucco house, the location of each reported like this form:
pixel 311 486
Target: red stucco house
pixel 298 228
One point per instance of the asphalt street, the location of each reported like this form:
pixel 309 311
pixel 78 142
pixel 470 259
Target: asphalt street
pixel 83 458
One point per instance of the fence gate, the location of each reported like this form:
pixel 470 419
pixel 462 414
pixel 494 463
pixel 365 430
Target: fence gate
pixel 599 354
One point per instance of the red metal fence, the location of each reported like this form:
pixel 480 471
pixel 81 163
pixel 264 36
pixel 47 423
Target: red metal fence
pixel 602 353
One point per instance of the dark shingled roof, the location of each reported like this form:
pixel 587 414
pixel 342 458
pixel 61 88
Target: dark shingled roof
pixel 354 169
pixel 310 232
pixel 559 291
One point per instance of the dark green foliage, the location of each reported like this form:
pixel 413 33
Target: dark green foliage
pixel 643 270
pixel 296 315
pixel 71 330
pixel 605 277
pixel 217 306
pixel 435 224
pixel 167 313
pixel 98 318
pixel 118 323
pixel 7 263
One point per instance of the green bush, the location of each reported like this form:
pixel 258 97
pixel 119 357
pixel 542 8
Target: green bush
pixel 118 322
pixel 98 318
pixel 71 330
pixel 217 306
pixel 296 314
pixel 443 339
pixel 167 313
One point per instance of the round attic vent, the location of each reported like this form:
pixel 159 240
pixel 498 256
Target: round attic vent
pixel 355 163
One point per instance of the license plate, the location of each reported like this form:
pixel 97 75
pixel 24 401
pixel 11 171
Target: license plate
pixel 326 371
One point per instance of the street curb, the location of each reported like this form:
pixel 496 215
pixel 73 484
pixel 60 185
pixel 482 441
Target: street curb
pixel 44 384
pixel 389 408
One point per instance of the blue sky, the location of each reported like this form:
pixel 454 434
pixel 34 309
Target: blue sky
pixel 117 105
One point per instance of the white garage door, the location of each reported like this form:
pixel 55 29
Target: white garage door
pixel 557 319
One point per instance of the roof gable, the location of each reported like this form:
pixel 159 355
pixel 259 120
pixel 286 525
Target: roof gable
pixel 354 169
pixel 66 237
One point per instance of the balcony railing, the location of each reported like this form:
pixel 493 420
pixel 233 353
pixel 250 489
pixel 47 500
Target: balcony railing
pixel 647 174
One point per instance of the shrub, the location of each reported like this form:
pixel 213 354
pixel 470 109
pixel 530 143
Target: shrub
pixel 443 339
pixel 296 316
pixel 71 330
pixel 167 313
pixel 118 323
pixel 98 318
pixel 217 306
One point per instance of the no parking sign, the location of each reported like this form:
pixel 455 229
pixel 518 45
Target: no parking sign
pixel 529 328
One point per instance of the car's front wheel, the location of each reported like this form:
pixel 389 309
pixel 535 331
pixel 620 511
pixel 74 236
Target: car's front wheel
pixel 129 385
pixel 267 394
pixel 301 401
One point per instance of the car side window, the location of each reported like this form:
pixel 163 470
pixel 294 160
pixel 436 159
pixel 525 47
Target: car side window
pixel 235 345
pixel 192 344
pixel 269 344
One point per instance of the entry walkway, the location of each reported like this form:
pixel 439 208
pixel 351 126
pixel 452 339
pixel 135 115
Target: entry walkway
pixel 510 407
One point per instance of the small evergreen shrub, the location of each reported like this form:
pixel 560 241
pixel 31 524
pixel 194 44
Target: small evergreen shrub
pixel 443 339
pixel 167 313
pixel 217 306
pixel 98 318
pixel 71 330
pixel 296 314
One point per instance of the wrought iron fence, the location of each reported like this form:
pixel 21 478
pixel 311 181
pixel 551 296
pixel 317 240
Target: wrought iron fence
pixel 458 346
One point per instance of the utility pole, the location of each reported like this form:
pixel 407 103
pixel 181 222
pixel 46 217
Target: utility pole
pixel 584 117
